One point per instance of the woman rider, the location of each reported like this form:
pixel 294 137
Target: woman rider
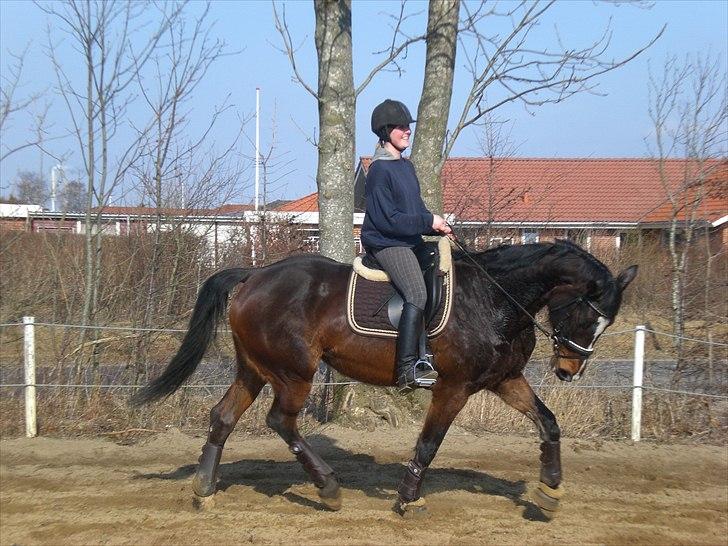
pixel 395 220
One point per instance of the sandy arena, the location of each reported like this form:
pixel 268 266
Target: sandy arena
pixel 81 491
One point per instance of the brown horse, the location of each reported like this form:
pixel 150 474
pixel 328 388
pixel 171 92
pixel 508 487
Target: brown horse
pixel 287 317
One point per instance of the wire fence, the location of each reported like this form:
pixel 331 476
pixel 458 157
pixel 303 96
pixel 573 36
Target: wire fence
pixel 606 378
pixel 332 383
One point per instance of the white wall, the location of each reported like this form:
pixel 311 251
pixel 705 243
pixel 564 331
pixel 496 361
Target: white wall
pixel 11 210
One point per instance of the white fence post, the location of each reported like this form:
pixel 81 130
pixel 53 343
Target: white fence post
pixel 639 366
pixel 31 424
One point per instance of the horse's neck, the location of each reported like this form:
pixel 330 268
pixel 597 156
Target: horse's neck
pixel 530 284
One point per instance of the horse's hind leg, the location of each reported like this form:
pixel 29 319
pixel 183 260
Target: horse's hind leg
pixel 223 418
pixel 289 399
pixel 518 394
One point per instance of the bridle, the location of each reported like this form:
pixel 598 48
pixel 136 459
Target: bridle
pixel 559 340
pixel 562 341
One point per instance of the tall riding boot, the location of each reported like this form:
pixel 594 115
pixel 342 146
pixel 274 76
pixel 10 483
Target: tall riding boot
pixel 411 371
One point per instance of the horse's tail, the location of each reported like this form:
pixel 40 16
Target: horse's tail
pixel 209 309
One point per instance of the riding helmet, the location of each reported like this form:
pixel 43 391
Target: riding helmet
pixel 388 114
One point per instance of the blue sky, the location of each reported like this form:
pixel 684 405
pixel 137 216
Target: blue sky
pixel 613 123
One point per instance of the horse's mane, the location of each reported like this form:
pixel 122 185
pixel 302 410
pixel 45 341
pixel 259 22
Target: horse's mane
pixel 507 258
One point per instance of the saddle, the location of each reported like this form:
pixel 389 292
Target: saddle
pixel 374 306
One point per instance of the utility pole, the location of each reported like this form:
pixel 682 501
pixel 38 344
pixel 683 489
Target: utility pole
pixel 254 227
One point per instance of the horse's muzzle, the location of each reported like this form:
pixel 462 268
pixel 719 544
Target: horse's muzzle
pixel 566 369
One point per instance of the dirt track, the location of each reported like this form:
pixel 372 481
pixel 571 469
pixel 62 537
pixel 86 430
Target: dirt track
pixel 97 492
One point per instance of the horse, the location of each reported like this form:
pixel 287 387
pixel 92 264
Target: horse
pixel 288 316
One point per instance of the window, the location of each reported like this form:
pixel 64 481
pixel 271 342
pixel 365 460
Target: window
pixel 530 236
pixel 54 225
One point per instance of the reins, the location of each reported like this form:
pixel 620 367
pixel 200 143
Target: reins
pixel 513 300
pixel 555 335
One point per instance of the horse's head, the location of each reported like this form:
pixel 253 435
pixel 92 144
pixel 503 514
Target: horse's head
pixel 579 312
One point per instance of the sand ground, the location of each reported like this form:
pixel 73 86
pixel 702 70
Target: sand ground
pixel 98 491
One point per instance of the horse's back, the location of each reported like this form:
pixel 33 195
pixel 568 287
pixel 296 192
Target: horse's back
pixel 284 315
pixel 294 289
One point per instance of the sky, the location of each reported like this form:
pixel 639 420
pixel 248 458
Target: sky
pixel 613 122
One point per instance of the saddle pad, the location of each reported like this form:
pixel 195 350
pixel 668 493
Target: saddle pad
pixel 366 306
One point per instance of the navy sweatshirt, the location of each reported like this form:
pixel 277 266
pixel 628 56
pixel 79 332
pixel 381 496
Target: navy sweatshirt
pixel 395 213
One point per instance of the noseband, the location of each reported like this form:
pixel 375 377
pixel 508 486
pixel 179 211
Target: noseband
pixel 561 341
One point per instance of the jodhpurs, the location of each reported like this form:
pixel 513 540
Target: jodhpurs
pixel 404 270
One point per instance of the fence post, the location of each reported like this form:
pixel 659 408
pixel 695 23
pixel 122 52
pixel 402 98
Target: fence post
pixel 31 424
pixel 639 366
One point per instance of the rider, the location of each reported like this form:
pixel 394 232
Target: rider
pixel 395 220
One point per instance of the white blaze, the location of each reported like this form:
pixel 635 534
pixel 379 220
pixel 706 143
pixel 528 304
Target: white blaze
pixel 602 324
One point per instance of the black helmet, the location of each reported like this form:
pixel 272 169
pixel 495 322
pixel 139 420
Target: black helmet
pixel 389 113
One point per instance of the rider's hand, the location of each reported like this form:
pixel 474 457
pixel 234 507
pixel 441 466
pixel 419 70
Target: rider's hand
pixel 440 225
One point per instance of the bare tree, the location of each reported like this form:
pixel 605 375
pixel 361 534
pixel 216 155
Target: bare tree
pixel 73 196
pixel 336 97
pixel 179 173
pixel 276 166
pixel 687 106
pixel 31 188
pixel 336 103
pixel 114 41
pixel 505 68
pixel 11 105
pixel 495 200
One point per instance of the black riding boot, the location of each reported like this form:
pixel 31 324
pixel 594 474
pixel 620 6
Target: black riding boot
pixel 412 372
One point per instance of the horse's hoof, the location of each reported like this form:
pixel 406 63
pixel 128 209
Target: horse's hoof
pixel 203 503
pixel 548 498
pixel 202 485
pixel 413 509
pixel 330 494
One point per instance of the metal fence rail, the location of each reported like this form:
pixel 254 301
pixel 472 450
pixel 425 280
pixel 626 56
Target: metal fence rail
pixel 30 385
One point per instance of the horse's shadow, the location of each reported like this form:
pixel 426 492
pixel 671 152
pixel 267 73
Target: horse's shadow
pixel 356 471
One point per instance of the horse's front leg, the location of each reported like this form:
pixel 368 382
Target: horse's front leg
pixel 518 394
pixel 447 401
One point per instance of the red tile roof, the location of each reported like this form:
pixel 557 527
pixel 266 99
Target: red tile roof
pixel 307 203
pixel 231 209
pixel 707 201
pixel 558 190
pixel 561 190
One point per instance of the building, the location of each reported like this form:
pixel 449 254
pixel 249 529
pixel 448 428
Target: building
pixel 233 223
pixel 599 203
pixel 703 205
pixel 596 202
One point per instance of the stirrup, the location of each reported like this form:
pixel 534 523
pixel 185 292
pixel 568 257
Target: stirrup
pixel 421 374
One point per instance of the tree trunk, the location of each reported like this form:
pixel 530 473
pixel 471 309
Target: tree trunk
pixel 89 254
pixel 434 107
pixel 336 102
pixel 677 296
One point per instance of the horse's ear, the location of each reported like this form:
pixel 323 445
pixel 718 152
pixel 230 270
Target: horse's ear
pixel 626 277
